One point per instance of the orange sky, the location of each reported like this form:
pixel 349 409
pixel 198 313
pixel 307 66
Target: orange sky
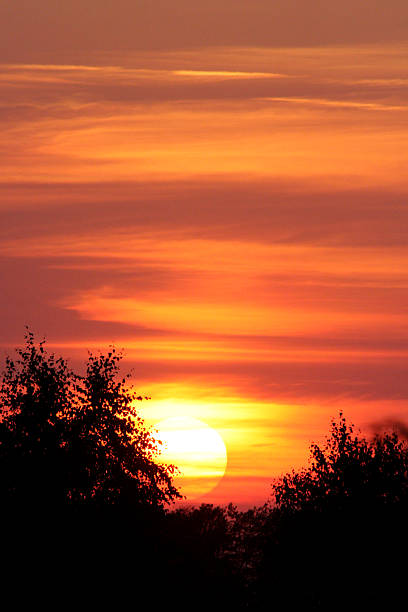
pixel 220 189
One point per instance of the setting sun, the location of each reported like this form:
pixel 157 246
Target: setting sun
pixel 196 449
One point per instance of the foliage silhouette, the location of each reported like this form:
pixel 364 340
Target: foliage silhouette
pixel 74 452
pixel 338 526
pixel 75 441
pixel 196 546
pixel 348 472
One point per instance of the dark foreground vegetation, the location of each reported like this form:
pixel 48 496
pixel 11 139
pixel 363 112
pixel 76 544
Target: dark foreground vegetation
pixel 88 519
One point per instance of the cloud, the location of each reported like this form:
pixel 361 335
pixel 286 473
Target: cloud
pixel 160 120
pixel 74 30
pixel 266 211
pixel 339 104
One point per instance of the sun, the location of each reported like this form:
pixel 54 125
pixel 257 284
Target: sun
pixel 196 449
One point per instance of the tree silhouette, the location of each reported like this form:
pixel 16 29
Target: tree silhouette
pixel 197 545
pixel 80 476
pixel 348 472
pixel 75 441
pixel 334 540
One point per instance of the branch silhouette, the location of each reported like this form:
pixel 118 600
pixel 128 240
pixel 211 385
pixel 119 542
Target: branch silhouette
pixel 75 441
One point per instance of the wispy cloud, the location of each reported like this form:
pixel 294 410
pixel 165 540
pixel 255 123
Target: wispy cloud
pixel 375 106
pixel 228 74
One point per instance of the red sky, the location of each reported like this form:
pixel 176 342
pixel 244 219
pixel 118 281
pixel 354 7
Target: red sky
pixel 220 189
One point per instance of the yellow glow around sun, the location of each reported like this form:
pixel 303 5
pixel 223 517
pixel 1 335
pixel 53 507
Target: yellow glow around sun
pixel 196 449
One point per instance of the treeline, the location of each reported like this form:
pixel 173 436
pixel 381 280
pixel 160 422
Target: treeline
pixel 88 520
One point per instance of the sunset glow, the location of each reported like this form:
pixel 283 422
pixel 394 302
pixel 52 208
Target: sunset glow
pixel 220 190
pixel 197 450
